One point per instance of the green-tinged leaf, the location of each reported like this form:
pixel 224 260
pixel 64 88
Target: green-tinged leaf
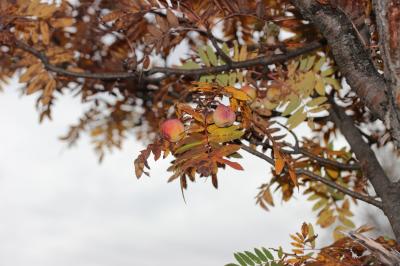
pixel 207 78
pixel 226 136
pixel 235 51
pixel 303 64
pixel 320 108
pixel 232 79
pixel 236 155
pixel 231 264
pixel 280 253
pixel 307 83
pixel 320 86
pixel 204 57
pixel 292 67
pixel 333 82
pixel 319 204
pixel 267 253
pixel 313 197
pixel 311 234
pixel 337 195
pixel 222 79
pixel 328 72
pixel 294 102
pixel 214 129
pixel 246 259
pixel 260 254
pixel 253 257
pixel 240 77
pixel 297 118
pixel 326 218
pixel 319 64
pixel 243 53
pixel 212 56
pixel 267 104
pixel 347 222
pixel 190 65
pixel 310 62
pixel 188 147
pixel 239 259
pixel 316 101
pixel 337 233
pixel 225 49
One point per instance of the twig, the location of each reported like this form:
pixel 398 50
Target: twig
pixel 263 60
pixel 220 52
pixel 317 178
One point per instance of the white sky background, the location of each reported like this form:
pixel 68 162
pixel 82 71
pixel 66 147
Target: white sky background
pixel 60 207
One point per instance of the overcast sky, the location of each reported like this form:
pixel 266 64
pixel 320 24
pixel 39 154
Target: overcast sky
pixel 60 207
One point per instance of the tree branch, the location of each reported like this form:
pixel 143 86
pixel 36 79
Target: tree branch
pixel 318 178
pixel 371 168
pixel 263 60
pixel 220 52
pixel 323 161
pixel 354 61
pixel 388 20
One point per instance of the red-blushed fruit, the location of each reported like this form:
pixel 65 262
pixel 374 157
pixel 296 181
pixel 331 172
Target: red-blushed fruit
pixel 172 130
pixel 249 90
pixel 224 116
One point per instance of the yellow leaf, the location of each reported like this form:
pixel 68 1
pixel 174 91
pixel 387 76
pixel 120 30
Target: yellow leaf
pixel 237 94
pixel 307 83
pixel 333 173
pixel 225 136
pixel 294 102
pixel 243 53
pixel 333 82
pixel 235 51
pixel 316 101
pixel 347 222
pixel 297 118
pixel 62 22
pixel 44 30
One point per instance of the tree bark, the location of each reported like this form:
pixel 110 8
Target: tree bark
pixel 354 61
pixel 389 192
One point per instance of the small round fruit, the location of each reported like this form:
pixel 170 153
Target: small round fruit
pixel 273 94
pixel 172 130
pixel 250 91
pixel 224 116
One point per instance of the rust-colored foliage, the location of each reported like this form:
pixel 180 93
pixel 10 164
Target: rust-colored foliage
pixel 260 62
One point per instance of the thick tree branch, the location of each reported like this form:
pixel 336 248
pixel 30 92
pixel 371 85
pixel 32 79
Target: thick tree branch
pixel 263 60
pixel 318 178
pixel 371 168
pixel 354 61
pixel 387 14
